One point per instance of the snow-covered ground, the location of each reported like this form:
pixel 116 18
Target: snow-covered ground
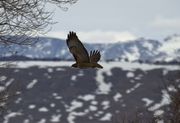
pixel 54 90
pixel 106 65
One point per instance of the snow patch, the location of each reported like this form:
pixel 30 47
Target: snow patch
pixel 50 70
pixel 158 113
pixel 172 88
pixel 59 69
pixel 2 88
pixel 138 77
pixel 52 105
pixel 105 104
pixel 32 106
pixel 149 46
pixel 11 115
pixel 55 118
pixel 72 116
pixel 147 101
pixel 106 117
pixel 107 65
pixel 26 121
pixel 130 74
pixel 9 82
pixel 94 102
pixel 171 46
pixel 56 96
pixel 164 101
pixel 3 78
pixel 32 83
pixel 92 108
pixel 74 105
pixel 87 97
pixel 165 72
pixel 43 109
pixel 73 77
pixel 43 120
pixel 133 54
pixel 103 87
pixel 133 88
pixel 117 97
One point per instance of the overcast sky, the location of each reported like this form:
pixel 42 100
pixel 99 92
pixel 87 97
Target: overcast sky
pixel 118 20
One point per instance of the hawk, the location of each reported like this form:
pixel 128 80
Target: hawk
pixel 81 56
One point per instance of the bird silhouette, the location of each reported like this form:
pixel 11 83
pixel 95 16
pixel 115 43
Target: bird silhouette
pixel 81 56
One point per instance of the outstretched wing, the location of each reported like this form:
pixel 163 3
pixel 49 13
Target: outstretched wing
pixel 76 48
pixel 95 56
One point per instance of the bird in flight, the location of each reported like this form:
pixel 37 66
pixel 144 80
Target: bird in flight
pixel 81 56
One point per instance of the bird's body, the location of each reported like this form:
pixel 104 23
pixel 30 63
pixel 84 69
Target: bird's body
pixel 83 59
pixel 87 65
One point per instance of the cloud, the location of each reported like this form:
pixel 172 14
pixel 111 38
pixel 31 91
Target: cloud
pixel 166 23
pixel 97 36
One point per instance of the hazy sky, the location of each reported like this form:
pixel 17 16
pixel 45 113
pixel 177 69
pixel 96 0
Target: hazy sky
pixel 115 20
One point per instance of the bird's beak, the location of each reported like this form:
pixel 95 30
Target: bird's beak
pixel 99 66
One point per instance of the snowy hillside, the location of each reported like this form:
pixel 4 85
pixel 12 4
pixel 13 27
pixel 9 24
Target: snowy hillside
pixel 171 48
pixel 53 92
pixel 140 49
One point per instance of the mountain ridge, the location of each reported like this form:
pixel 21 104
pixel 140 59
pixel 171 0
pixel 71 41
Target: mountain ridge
pixel 140 49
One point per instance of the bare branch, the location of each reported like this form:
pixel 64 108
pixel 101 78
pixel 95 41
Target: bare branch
pixel 26 18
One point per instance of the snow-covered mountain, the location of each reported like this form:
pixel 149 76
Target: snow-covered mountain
pixel 137 50
pixel 171 48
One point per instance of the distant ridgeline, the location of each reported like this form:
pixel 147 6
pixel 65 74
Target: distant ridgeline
pixel 139 50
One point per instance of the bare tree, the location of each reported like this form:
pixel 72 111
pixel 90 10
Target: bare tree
pixel 21 19
pixel 24 18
